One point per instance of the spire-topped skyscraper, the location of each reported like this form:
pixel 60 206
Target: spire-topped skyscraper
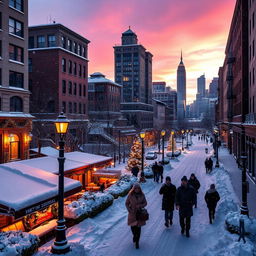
pixel 181 90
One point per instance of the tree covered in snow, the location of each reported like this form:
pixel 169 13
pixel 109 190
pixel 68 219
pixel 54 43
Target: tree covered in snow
pixel 135 156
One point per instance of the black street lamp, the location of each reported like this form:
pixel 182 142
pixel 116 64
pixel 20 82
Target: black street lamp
pixel 172 133
pixel 230 141
pixel 163 134
pixel 216 133
pixel 244 207
pixel 61 245
pixel 187 131
pixel 142 136
pixel 119 146
pixel 191 131
pixel 182 137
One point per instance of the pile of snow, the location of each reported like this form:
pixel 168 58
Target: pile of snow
pixel 75 250
pixel 89 205
pixel 233 220
pixel 122 186
pixel 14 243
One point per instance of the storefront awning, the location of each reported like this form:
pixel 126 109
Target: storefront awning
pixel 25 189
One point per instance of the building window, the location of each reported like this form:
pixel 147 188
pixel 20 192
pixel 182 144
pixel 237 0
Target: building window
pixel 17 4
pixel 16 79
pixel 80 70
pixel 80 108
pixel 74 88
pixel 0 49
pixel 63 63
pixel 70 88
pixel 80 90
pixel 253 21
pixel 30 68
pixel 84 73
pixel 63 42
pixel 31 42
pixel 0 104
pixel 70 107
pixel 16 53
pixel 16 27
pixel 84 108
pixel 75 47
pixel 0 76
pixel 79 50
pixel 70 67
pixel 75 107
pixel 253 48
pixel 64 89
pixel 64 106
pixel 41 41
pixel 83 52
pixel 84 91
pixel 16 104
pixel 75 70
pixel 69 45
pixel 0 20
pixel 51 41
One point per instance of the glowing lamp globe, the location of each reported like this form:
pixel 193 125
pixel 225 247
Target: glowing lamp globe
pixel 61 124
pixel 163 133
pixel 142 135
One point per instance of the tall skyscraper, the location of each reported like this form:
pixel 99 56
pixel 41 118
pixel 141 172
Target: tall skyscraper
pixel 181 90
pixel 133 70
pixel 201 85
pixel 213 88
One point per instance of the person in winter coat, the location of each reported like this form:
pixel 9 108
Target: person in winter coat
pixel 211 198
pixel 155 169
pixel 160 171
pixel 194 182
pixel 135 171
pixel 206 164
pixel 185 199
pixel 135 201
pixel 168 190
pixel 210 164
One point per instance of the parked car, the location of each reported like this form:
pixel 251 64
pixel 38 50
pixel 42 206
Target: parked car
pixel 151 156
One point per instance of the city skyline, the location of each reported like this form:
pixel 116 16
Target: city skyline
pixel 166 29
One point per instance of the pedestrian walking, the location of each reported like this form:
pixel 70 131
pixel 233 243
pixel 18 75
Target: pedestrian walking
pixel 194 182
pixel 102 187
pixel 206 164
pixel 161 171
pixel 168 190
pixel 210 164
pixel 135 171
pixel 135 201
pixel 155 170
pixel 211 198
pixel 185 199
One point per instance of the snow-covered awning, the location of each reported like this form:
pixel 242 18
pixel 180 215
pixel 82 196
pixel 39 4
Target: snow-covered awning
pixel 24 189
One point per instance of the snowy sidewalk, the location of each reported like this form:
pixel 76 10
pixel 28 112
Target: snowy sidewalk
pixel 236 176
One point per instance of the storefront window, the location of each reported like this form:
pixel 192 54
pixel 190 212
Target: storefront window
pixel 14 147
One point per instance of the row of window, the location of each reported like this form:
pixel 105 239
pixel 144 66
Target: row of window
pixel 252 50
pixel 73 46
pixel 72 88
pixel 17 4
pixel 16 104
pixel 73 68
pixel 73 107
pixel 41 41
pixel 16 79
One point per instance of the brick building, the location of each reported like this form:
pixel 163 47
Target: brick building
pixel 15 120
pixel 58 71
pixel 235 111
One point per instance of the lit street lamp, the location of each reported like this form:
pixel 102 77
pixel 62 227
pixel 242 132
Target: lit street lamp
pixel 163 134
pixel 142 136
pixel 172 133
pixel 182 137
pixel 231 141
pixel 216 133
pixel 61 245
pixel 187 131
pixel 244 207
pixel 191 131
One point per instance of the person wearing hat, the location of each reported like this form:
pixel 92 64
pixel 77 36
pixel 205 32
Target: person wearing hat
pixel 135 201
pixel 185 199
pixel 194 182
pixel 168 190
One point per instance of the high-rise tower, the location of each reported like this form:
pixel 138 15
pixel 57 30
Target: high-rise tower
pixel 181 90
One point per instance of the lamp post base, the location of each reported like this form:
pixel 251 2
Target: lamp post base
pixel 217 165
pixel 61 249
pixel 244 209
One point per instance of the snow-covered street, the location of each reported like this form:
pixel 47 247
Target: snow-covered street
pixel 109 234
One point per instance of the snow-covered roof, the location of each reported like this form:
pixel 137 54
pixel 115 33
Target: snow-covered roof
pixel 48 151
pixel 98 77
pixel 22 186
pixel 15 114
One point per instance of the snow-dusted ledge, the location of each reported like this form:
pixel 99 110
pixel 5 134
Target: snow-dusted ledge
pixel 17 243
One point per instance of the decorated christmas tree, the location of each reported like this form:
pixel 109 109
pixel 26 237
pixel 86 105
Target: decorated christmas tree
pixel 170 143
pixel 135 154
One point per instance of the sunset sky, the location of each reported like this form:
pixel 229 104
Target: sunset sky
pixel 198 27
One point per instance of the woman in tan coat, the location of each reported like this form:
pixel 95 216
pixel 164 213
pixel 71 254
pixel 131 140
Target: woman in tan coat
pixel 135 201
